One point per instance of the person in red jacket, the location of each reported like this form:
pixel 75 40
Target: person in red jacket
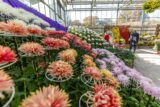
pixel 106 37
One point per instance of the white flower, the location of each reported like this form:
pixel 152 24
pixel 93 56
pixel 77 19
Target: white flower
pixel 40 21
pixel 20 22
pixel 49 28
pixel 5 8
pixel 34 26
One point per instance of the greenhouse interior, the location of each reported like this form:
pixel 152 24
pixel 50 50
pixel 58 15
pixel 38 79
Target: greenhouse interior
pixel 79 53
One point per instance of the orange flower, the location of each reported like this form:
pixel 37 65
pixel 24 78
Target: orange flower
pixel 55 43
pixel 60 69
pixel 17 28
pixel 93 72
pixel 31 48
pixel 5 81
pixel 7 55
pixel 105 97
pixel 68 55
pixel 50 96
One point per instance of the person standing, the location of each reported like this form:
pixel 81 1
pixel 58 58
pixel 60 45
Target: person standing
pixel 134 38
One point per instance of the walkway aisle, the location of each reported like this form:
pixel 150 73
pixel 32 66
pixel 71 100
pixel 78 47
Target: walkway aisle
pixel 148 63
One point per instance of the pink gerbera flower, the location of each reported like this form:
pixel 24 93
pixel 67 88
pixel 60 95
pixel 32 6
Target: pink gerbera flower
pixel 31 48
pixel 5 81
pixel 55 43
pixel 93 72
pixel 60 69
pixel 7 55
pixel 47 97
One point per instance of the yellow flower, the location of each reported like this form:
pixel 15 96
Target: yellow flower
pixel 89 63
pixel 87 57
pixel 109 79
pixel 68 55
pixel 106 73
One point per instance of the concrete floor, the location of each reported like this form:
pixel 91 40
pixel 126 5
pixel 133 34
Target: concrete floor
pixel 148 63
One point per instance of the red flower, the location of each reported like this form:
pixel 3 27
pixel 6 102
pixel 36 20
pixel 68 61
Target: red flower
pixel 55 43
pixel 93 54
pixel 105 97
pixel 56 34
pixel 42 65
pixel 34 30
pixel 44 33
pixel 68 37
pixel 77 41
pixel 7 55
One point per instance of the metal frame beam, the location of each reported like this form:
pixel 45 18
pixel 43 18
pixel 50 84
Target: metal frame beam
pixel 105 9
pixel 103 2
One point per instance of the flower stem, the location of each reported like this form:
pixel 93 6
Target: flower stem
pixel 150 97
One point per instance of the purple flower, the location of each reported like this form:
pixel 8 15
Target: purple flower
pixel 106 60
pixel 117 71
pixel 123 79
pixel 101 63
pixel 155 91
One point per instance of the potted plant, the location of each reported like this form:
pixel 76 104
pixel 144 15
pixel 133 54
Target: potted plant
pixel 158 47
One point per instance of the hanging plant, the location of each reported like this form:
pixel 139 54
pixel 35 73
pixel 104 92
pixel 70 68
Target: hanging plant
pixel 151 5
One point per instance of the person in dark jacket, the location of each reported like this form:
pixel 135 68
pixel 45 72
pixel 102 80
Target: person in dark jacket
pixel 134 38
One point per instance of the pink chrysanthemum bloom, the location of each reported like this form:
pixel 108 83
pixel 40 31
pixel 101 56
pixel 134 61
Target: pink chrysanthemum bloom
pixel 5 81
pixel 81 43
pixel 17 28
pixel 86 46
pixel 3 26
pixel 60 69
pixel 47 97
pixel 34 30
pixel 31 48
pixel 56 34
pixel 68 55
pixel 68 37
pixel 7 55
pixel 106 97
pixel 55 43
pixel 93 72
